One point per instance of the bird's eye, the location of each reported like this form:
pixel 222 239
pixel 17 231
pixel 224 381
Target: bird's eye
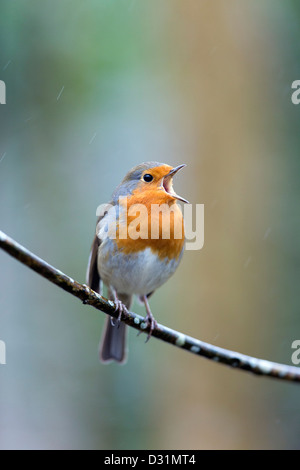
pixel 147 177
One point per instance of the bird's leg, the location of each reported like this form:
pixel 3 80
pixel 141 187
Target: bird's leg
pixel 149 317
pixel 119 307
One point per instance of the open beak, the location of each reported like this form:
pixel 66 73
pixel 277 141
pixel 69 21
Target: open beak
pixel 167 183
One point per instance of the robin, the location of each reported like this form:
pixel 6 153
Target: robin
pixel 138 245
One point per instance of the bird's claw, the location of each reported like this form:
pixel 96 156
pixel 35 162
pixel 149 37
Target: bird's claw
pixel 122 309
pixel 152 323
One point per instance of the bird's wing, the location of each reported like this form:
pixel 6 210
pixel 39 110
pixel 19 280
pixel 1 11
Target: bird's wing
pixel 92 275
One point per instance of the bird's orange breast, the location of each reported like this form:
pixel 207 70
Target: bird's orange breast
pixel 151 219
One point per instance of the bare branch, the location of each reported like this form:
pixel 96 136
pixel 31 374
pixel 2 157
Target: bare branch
pixel 195 346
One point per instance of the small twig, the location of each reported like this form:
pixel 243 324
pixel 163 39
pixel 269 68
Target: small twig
pixel 88 296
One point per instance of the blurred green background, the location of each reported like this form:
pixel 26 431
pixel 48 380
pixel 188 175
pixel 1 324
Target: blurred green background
pixel 94 88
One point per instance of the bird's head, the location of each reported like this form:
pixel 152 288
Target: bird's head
pixel 150 178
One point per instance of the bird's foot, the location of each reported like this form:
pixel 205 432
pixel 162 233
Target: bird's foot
pixel 121 308
pixel 152 325
pixel 149 318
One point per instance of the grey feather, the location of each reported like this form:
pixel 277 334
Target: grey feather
pixel 114 339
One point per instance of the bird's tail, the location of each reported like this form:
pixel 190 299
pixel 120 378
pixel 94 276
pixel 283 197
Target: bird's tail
pixel 113 344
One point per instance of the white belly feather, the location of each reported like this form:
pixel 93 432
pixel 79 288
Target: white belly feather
pixel 139 273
